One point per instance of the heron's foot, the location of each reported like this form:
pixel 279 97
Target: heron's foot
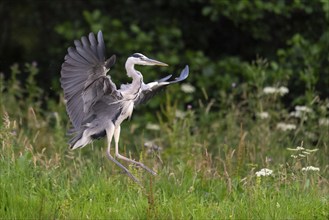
pixel 137 164
pixel 133 178
pixel 124 168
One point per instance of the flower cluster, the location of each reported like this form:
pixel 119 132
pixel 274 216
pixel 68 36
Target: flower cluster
pixel 311 168
pixel 324 121
pixel 300 111
pixel 187 88
pixel 272 90
pixel 301 152
pixel 180 114
pixel 151 126
pixel 285 127
pixel 264 172
pixel 263 115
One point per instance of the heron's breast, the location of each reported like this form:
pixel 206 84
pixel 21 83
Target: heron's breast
pixel 126 112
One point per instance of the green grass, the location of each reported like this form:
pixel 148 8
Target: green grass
pixel 29 191
pixel 206 165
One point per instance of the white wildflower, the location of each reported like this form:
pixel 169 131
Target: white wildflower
pixel 296 114
pixel 285 127
pixel 180 114
pixel 263 115
pixel 187 88
pixel 294 149
pixel 148 144
pixel 300 111
pixel 151 126
pixel 283 90
pixel 272 90
pixel 311 168
pixel 269 90
pixel 294 156
pixel 312 150
pixel 264 172
pixel 324 121
pixel 300 148
pixel 299 108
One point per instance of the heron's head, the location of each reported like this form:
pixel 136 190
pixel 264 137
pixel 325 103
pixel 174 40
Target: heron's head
pixel 140 59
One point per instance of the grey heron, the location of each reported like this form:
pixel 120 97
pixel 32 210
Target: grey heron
pixel 95 106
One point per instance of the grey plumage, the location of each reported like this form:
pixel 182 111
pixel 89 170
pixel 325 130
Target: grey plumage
pixel 147 94
pixel 94 104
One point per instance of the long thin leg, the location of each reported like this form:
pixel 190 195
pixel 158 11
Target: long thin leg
pixel 118 155
pixel 109 133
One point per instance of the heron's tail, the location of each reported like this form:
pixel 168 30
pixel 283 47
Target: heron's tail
pixel 79 140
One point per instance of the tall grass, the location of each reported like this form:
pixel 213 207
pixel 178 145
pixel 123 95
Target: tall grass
pixel 207 156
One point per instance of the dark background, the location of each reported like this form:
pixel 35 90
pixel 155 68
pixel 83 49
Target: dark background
pixel 219 39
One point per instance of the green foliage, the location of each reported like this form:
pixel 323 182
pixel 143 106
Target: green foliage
pixel 307 63
pixel 206 160
pixel 256 97
pixel 194 184
pixel 219 45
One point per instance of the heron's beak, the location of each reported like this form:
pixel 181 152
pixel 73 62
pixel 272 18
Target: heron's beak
pixel 155 62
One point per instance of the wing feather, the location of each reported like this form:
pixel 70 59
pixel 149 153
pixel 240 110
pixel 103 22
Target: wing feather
pixel 100 46
pixel 77 43
pixel 84 52
pixel 74 83
pixel 151 89
pixel 76 56
pixel 83 77
pixel 69 58
pixel 85 41
pixel 93 44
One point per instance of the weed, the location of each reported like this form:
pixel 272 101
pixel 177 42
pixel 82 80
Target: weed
pixel 210 158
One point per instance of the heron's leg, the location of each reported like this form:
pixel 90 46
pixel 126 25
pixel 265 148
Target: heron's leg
pixel 109 134
pixel 118 155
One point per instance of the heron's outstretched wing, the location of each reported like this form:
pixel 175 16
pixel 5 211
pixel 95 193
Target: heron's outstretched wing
pixel 83 76
pixel 150 89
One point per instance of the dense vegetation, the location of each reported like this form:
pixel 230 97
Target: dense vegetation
pixel 256 97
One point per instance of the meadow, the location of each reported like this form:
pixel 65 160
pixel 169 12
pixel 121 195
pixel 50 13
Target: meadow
pixel 242 155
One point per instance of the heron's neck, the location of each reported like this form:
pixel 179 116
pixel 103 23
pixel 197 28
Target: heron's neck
pixel 131 71
pixel 134 74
